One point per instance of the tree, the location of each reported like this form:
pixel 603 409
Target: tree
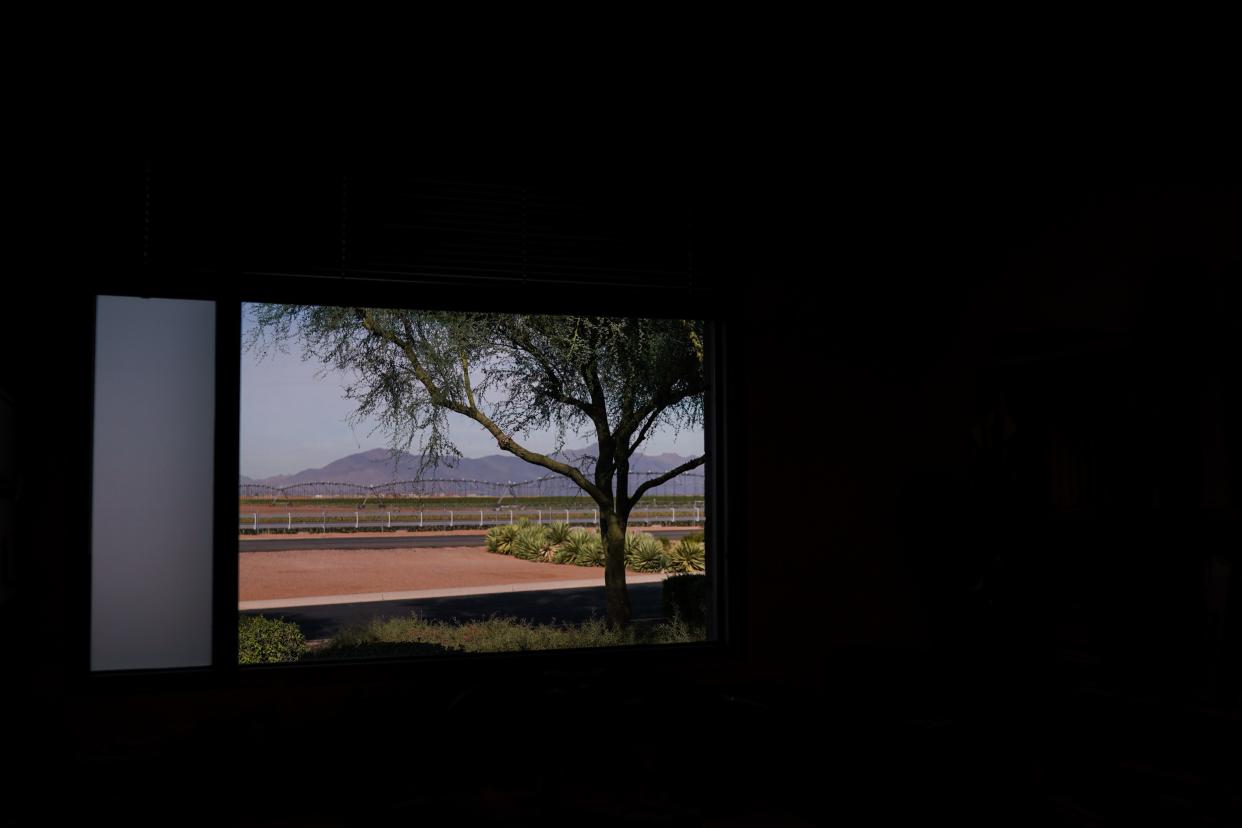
pixel 622 379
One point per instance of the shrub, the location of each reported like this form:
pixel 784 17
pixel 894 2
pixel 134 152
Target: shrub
pixel 558 533
pixel 582 548
pixel 414 636
pixel 644 553
pixel 529 542
pixel 687 556
pixel 262 640
pixel 500 539
pixel 685 599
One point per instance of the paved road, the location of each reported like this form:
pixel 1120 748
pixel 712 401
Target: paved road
pixel 408 540
pixel 542 607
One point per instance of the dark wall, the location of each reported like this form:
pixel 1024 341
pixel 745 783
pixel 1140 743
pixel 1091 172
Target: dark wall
pixel 1005 388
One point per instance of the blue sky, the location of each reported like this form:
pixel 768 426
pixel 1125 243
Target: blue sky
pixel 291 420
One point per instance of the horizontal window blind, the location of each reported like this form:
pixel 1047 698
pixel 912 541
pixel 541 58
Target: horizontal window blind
pixel 615 230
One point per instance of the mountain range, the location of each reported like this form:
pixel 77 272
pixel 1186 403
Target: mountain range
pixel 375 467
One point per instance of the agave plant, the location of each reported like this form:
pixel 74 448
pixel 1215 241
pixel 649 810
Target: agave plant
pixel 558 533
pixel 529 542
pixel 687 556
pixel 500 539
pixel 644 553
pixel 582 548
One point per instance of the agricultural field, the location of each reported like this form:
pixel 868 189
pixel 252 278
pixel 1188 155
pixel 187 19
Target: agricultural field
pixel 315 505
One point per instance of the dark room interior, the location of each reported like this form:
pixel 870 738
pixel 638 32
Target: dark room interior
pixel 1005 382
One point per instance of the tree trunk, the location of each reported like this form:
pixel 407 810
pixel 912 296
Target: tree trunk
pixel 612 532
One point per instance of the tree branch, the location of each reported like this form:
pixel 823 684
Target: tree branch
pixel 662 479
pixel 503 440
pixel 642 433
pixel 623 479
pixel 527 347
pixel 590 373
pixel 465 375
pixel 652 410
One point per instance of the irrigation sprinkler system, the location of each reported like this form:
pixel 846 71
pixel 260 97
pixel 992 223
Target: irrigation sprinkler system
pixel 553 485
pixel 357 520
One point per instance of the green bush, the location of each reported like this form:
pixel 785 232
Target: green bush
pixel 262 640
pixel 530 542
pixel 644 553
pixel 582 548
pixel 500 539
pixel 687 556
pixel 558 533
pixel 685 599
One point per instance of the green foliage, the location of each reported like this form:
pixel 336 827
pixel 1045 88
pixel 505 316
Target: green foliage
pixel 644 553
pixel 558 533
pixel 500 539
pixel 558 543
pixel 415 366
pixel 696 537
pixel 413 636
pixel 582 548
pixel 687 556
pixel 685 598
pixel 262 640
pixel 530 542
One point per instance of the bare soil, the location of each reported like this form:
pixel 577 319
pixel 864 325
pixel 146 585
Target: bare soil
pixel 307 573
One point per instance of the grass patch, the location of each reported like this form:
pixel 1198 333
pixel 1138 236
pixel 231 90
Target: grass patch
pixel 414 636
pixel 262 640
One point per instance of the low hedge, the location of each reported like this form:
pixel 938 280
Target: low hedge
pixel 558 543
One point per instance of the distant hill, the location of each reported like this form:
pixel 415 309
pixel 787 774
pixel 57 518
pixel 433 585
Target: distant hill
pixel 377 466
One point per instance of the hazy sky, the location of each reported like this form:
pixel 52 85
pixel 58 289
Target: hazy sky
pixel 291 421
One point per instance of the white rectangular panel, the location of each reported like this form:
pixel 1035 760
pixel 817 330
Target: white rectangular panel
pixel 154 460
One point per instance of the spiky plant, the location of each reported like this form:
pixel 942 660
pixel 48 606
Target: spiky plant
pixel 644 553
pixel 582 548
pixel 500 539
pixel 558 533
pixel 687 556
pixel 529 542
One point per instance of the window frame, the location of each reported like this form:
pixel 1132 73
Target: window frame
pixel 229 291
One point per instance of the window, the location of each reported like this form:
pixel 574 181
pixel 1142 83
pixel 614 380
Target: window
pixel 485 514
pixel 161 384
